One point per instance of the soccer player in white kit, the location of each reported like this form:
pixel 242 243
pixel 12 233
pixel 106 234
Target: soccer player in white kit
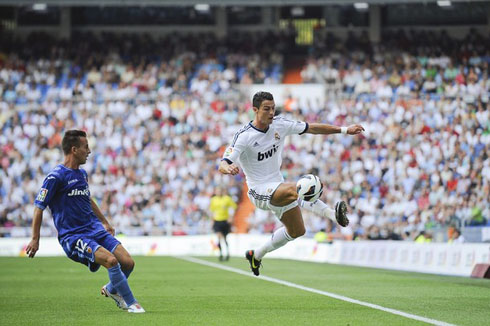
pixel 257 149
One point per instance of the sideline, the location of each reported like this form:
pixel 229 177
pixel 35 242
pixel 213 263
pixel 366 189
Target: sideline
pixel 304 288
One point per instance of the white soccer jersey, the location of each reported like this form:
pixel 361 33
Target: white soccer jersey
pixel 259 153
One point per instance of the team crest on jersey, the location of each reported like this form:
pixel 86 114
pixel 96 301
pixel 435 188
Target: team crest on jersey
pixel 42 194
pixel 276 135
pixel 269 190
pixel 228 151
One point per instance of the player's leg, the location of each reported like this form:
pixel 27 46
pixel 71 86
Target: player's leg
pixel 283 202
pixel 293 228
pixel 284 194
pixel 220 246
pixel 117 278
pixel 127 266
pixel 85 249
pixel 226 231
pixel 117 287
pixel 126 263
pixel 124 259
pixel 339 214
pixel 109 290
pixel 219 235
pixel 106 240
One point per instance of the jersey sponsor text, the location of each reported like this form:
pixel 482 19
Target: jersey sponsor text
pixel 269 153
pixel 78 192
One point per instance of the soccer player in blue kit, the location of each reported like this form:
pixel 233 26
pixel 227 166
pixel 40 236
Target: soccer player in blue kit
pixel 83 232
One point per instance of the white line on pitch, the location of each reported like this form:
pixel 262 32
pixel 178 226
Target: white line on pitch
pixel 325 293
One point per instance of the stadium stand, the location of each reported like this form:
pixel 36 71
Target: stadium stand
pixel 162 110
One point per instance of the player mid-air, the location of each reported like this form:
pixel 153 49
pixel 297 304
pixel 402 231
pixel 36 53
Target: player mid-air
pixel 83 232
pixel 257 149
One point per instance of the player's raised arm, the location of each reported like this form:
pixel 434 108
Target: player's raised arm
pixel 227 167
pixel 33 245
pixel 326 129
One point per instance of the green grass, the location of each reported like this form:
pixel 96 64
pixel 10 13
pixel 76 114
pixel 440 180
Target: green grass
pixel 57 291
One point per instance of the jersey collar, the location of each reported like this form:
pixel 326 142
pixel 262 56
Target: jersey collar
pixel 259 130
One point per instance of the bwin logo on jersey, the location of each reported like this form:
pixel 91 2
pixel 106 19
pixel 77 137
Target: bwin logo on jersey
pixel 77 192
pixel 269 153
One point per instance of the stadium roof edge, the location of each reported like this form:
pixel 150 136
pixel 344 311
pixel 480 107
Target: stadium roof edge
pixel 224 3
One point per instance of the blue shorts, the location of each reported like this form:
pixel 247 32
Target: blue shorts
pixel 82 247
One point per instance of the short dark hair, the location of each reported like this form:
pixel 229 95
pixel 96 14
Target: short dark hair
pixel 72 138
pixel 260 97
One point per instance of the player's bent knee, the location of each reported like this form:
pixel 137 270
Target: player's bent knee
pixel 290 194
pixel 284 195
pixel 111 261
pixel 129 264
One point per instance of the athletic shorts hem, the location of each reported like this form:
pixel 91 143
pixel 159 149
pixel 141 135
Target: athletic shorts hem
pixel 261 196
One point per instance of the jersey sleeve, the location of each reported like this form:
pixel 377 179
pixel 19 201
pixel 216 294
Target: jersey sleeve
pixel 293 127
pixel 47 191
pixel 236 148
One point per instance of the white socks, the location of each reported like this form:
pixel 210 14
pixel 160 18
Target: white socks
pixel 318 207
pixel 279 238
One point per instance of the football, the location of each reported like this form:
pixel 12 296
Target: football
pixel 309 187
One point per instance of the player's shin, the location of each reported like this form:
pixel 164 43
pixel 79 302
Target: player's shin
pixel 318 207
pixel 120 284
pixel 279 238
pixel 109 285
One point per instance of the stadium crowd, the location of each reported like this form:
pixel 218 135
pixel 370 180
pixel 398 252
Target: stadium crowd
pixel 160 113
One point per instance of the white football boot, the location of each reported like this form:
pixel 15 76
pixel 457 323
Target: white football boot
pixel 136 308
pixel 116 297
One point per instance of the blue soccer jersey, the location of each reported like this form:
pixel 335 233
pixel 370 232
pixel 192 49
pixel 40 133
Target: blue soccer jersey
pixel 65 191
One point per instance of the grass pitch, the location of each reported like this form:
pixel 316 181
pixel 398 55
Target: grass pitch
pixel 57 291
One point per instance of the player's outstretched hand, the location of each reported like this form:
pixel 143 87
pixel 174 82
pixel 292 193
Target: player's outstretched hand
pixel 32 248
pixel 355 129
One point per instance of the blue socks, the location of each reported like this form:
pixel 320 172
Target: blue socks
pixel 119 282
pixel 109 285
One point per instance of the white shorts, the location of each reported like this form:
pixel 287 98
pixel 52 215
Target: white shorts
pixel 261 196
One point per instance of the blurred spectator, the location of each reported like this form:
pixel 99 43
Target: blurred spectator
pixel 161 112
pixel 455 236
pixel 424 237
pixel 322 236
